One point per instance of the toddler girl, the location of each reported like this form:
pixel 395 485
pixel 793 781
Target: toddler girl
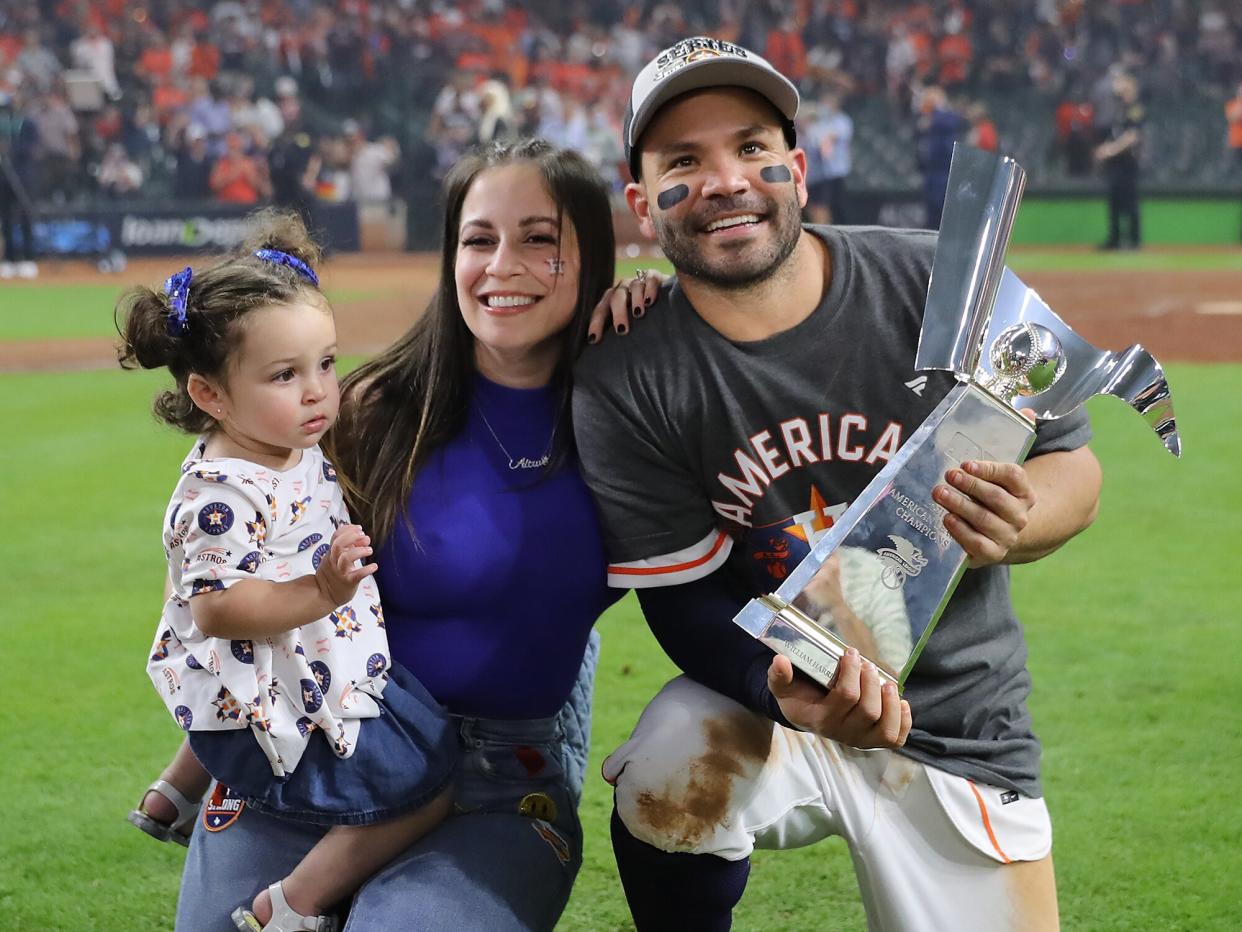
pixel 271 651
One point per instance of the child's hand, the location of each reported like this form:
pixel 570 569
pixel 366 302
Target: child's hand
pixel 339 574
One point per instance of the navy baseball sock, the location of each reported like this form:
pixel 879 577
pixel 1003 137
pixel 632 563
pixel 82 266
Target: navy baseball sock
pixel 676 891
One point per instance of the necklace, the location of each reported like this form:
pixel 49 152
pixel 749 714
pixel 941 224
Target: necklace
pixel 525 462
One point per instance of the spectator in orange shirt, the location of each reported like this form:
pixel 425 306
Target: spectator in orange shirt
pixel 108 125
pixel 955 53
pixel 982 134
pixel 170 101
pixel 924 60
pixel 155 64
pixel 204 60
pixel 786 50
pixel 238 178
pixel 1233 114
pixel 1075 123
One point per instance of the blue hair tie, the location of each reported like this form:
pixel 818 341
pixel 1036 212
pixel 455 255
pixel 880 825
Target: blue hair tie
pixel 177 287
pixel 292 262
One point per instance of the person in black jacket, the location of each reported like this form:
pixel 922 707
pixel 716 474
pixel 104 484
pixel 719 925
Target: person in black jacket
pixel 193 178
pixel 1119 157
pixel 18 141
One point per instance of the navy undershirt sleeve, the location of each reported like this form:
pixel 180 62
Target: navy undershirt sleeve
pixel 693 623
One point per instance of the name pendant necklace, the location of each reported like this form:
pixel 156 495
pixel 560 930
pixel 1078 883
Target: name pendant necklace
pixel 525 462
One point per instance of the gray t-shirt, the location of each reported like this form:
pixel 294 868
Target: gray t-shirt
pixel 684 434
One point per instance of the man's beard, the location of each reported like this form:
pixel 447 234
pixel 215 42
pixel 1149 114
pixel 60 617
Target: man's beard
pixel 753 264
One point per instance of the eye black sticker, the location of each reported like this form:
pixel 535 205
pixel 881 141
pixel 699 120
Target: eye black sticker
pixel 673 196
pixel 776 173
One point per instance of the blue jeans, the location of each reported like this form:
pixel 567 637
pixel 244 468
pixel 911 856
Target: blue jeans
pixel 404 759
pixel 488 866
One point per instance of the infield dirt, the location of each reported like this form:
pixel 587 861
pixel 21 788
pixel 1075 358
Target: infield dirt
pixel 1178 315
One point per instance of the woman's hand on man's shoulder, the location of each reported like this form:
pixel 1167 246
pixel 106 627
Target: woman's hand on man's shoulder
pixel 630 297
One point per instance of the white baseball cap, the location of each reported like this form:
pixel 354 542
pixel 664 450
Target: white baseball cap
pixel 696 63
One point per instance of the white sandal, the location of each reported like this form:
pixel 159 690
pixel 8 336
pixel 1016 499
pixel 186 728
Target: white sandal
pixel 284 919
pixel 180 828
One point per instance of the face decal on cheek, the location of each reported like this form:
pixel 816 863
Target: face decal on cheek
pixel 776 173
pixel 556 265
pixel 672 196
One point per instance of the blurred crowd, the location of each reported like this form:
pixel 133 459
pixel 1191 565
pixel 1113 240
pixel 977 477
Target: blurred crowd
pixel 247 101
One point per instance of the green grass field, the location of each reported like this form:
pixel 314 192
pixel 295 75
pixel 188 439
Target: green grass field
pixel 43 311
pixel 1133 630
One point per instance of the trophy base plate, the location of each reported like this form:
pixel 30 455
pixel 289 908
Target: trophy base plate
pixel 789 631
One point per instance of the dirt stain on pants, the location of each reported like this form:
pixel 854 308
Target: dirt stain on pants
pixel 735 747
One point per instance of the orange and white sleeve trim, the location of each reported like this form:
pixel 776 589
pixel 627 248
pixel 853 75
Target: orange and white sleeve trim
pixel 672 569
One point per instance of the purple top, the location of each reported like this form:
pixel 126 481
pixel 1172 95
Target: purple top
pixel 492 606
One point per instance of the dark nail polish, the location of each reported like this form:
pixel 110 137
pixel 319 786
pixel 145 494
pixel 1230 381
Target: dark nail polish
pixel 622 328
pixel 638 312
pixel 592 338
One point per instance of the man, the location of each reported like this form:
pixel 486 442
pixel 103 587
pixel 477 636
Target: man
pixel 829 139
pixel 60 145
pixel 1119 155
pixel 721 439
pixel 370 162
pixel 94 53
pixel 192 180
pixel 37 63
pixel 294 156
pixel 19 142
pixel 1233 116
pixel 938 127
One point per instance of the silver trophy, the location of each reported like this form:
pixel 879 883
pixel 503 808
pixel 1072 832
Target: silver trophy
pixel 881 575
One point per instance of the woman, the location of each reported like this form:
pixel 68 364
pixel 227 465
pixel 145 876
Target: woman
pixel 457 446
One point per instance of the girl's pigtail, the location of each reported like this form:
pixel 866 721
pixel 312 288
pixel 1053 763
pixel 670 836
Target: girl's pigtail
pixel 147 342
